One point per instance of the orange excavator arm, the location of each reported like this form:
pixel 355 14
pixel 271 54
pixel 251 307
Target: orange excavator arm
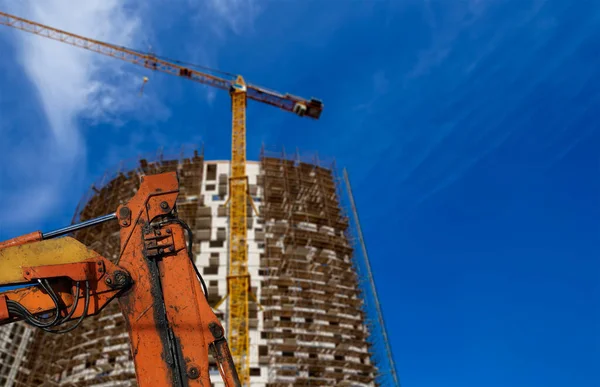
pixel 161 293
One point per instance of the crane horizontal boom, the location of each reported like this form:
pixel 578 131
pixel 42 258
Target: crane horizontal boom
pixel 311 108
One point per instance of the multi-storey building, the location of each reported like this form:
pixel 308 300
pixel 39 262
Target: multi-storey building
pixel 308 327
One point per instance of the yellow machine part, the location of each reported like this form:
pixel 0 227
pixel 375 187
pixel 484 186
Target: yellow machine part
pixel 48 252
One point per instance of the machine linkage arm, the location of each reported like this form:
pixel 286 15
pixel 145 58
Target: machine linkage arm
pixel 80 285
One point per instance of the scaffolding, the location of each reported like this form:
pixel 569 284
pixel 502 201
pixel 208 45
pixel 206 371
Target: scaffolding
pixel 313 319
pixel 315 326
pixel 16 344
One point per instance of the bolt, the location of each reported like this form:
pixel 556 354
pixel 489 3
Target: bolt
pixel 193 373
pixel 124 212
pixel 158 232
pixel 171 249
pixel 160 251
pixel 27 272
pixel 216 330
pixel 108 281
pixel 99 263
pixel 168 231
pixel 164 205
pixel 124 223
pixel 122 279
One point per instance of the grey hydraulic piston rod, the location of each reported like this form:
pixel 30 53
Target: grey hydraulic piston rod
pixel 79 226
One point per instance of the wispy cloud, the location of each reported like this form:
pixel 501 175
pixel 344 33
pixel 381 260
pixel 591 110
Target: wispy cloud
pixel 215 23
pixel 237 16
pixel 380 85
pixel 212 24
pixel 71 85
pixel 464 122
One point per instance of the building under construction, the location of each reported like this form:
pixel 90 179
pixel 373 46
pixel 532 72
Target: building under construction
pixel 310 324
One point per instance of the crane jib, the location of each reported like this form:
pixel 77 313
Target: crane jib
pixel 310 108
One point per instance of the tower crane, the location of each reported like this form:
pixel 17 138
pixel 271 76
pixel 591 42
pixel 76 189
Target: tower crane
pixel 238 277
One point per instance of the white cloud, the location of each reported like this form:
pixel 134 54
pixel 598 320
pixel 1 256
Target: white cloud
pixel 71 84
pixel 71 81
pixel 216 21
pixel 77 89
pixel 236 15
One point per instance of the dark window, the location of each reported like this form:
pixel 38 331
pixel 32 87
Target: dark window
pixel 210 187
pixel 211 270
pixel 284 318
pixel 211 171
pixel 216 243
pixel 334 323
pixel 287 354
pixel 254 371
pixel 308 320
pixel 214 255
pixel 213 283
pixel 313 355
pixel 340 358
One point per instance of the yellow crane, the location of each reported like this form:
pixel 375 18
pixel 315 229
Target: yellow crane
pixel 238 277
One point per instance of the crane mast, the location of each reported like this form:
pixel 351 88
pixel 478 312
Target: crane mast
pixel 238 279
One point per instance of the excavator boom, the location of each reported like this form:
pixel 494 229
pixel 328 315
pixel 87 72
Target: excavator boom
pixel 161 293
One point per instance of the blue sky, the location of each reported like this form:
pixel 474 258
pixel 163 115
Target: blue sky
pixel 469 129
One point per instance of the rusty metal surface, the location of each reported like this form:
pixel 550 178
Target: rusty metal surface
pixel 142 303
pixel 79 271
pixel 166 311
pixel 225 361
pixel 47 252
pixel 3 309
pixel 97 271
pixel 22 239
